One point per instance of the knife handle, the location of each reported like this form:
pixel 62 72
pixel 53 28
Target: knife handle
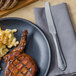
pixel 60 58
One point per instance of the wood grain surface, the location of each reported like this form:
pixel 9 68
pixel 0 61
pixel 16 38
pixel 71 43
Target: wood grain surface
pixel 21 4
pixel 28 11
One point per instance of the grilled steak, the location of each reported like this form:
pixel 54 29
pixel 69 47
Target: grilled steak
pixel 1 2
pixel 14 3
pixel 6 4
pixel 19 63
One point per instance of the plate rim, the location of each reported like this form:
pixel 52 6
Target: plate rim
pixel 25 20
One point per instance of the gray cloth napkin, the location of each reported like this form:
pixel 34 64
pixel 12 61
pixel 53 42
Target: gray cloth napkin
pixel 66 36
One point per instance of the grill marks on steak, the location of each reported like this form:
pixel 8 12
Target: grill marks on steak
pixel 19 63
pixel 22 66
pixel 14 3
pixel 6 4
pixel 1 2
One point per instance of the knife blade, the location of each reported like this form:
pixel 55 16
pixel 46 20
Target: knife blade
pixel 60 58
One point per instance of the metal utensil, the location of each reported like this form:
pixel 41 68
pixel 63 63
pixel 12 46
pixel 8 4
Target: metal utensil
pixel 52 30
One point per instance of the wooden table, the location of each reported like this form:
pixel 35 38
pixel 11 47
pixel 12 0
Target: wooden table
pixel 28 13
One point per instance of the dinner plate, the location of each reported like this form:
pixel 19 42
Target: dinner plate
pixel 37 44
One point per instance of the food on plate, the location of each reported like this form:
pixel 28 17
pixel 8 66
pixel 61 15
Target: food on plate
pixel 0 60
pixel 3 50
pixel 7 40
pixel 6 4
pixel 14 3
pixel 18 63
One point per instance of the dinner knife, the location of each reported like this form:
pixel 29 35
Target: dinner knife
pixel 60 58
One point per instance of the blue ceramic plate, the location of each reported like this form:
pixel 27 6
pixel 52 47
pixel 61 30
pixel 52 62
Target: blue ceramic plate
pixel 37 44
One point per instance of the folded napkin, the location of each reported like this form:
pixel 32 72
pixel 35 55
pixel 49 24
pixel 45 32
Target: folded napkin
pixel 66 36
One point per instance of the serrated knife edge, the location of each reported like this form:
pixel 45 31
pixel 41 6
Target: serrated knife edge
pixel 49 18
